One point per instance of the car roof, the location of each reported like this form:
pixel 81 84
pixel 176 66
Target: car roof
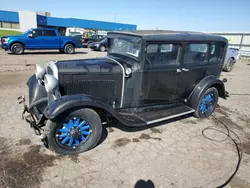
pixel 44 28
pixel 169 35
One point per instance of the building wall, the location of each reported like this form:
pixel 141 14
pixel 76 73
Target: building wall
pixel 27 20
pixel 240 41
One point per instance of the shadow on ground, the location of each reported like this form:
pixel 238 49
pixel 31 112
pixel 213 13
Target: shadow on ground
pixel 144 184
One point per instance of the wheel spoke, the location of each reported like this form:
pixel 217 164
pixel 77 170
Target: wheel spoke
pixel 70 142
pixel 65 139
pixel 82 138
pixel 76 122
pixel 85 132
pixel 66 126
pixel 85 128
pixel 71 124
pixel 77 142
pixel 62 136
pixel 63 130
pixel 82 123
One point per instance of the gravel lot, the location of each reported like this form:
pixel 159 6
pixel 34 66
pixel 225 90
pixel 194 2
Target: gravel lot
pixel 173 154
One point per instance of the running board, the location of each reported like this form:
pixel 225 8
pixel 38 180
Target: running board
pixel 156 116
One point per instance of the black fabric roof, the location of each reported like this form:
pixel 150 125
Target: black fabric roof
pixel 167 35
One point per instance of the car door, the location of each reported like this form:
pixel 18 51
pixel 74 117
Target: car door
pixel 161 73
pixel 51 40
pixel 36 40
pixel 200 60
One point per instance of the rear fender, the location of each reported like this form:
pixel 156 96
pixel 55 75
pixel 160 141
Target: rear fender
pixel 210 81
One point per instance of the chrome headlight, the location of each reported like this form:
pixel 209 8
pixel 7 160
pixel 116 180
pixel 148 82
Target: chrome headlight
pixel 50 83
pixel 40 72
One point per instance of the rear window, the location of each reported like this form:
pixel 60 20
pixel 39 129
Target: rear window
pixel 49 33
pixel 216 53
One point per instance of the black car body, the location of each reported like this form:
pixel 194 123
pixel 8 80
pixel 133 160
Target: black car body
pixel 147 77
pixel 94 38
pixel 100 46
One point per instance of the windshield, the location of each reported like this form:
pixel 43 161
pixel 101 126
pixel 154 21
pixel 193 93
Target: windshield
pixel 129 46
pixel 27 32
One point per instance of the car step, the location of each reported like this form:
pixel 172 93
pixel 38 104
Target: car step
pixel 151 117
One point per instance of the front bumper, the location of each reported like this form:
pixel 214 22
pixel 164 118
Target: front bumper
pixel 4 46
pixel 35 119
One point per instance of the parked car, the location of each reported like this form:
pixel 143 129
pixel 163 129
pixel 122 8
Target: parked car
pixel 100 46
pixel 147 77
pixel 86 42
pixel 231 57
pixel 40 39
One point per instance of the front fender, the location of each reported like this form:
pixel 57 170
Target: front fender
pixel 68 102
pixel 210 81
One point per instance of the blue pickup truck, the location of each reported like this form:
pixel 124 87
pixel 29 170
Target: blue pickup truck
pixel 40 39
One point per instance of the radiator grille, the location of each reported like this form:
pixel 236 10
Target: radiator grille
pixel 105 89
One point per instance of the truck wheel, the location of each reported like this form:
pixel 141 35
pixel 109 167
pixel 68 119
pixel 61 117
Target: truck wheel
pixel 17 48
pixel 79 131
pixel 89 43
pixel 61 50
pixel 102 49
pixel 69 49
pixel 230 65
pixel 207 103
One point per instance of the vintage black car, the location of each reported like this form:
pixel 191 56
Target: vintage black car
pixel 147 77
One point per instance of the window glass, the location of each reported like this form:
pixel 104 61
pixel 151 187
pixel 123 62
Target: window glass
pixel 37 33
pixel 128 47
pixel 216 51
pixel 196 54
pixel 49 33
pixel 162 54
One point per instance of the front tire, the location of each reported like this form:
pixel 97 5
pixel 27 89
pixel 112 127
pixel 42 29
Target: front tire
pixel 207 103
pixel 102 48
pixel 17 48
pixel 77 132
pixel 230 65
pixel 69 49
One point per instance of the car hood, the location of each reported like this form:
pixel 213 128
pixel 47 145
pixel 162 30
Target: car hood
pixel 13 36
pixel 97 65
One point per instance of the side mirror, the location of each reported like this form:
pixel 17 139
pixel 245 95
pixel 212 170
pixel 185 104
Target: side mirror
pixel 30 35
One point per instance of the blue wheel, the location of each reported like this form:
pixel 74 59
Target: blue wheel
pixel 207 103
pixel 79 131
pixel 74 132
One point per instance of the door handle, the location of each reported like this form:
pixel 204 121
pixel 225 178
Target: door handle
pixel 185 70
pixel 178 70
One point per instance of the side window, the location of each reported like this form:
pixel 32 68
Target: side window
pixel 216 52
pixel 162 54
pixel 196 54
pixel 49 33
pixel 37 33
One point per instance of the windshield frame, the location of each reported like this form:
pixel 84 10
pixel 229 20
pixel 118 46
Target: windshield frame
pixel 129 38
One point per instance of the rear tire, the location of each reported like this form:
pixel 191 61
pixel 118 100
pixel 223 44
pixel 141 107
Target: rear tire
pixel 229 65
pixel 17 48
pixel 69 49
pixel 54 132
pixel 102 48
pixel 207 103
pixel 89 43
